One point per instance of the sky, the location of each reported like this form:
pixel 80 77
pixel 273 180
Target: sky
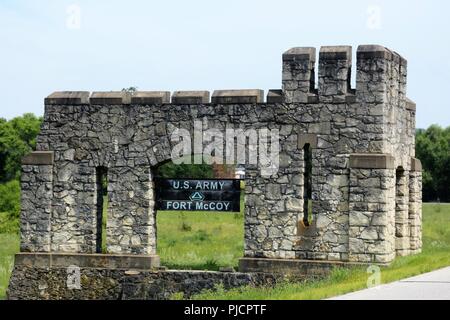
pixel 104 45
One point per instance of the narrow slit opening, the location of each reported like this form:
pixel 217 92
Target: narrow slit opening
pixel 307 185
pixel 102 202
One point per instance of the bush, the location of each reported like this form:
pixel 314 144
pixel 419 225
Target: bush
pixel 433 149
pixel 8 225
pixel 9 207
pixel 17 138
pixel 169 170
pixel 10 198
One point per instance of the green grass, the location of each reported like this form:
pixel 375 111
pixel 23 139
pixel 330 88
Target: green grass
pixel 8 225
pixel 9 245
pixel 435 255
pixel 201 240
pixel 104 220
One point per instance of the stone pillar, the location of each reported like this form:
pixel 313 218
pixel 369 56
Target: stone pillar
pixel 36 198
pixel 373 80
pixel 401 213
pixel 402 82
pixel 411 125
pixel 273 206
pixel 372 76
pixel 372 208
pixel 299 75
pixel 131 225
pixel 270 218
pixel 74 205
pixel 415 206
pixel 335 65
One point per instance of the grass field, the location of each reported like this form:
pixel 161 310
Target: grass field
pixel 199 240
pixel 435 255
pixel 9 245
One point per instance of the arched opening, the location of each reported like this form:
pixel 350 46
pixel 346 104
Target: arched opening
pixel 198 239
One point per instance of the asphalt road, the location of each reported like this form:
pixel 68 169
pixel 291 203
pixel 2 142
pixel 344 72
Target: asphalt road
pixel 429 286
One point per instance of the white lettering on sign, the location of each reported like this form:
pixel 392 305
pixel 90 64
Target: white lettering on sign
pixel 212 206
pixel 200 185
pixel 198 195
pixel 177 185
pixel 179 205
pixel 209 185
pixel 199 206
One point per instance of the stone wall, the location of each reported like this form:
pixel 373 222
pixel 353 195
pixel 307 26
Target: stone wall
pixel 56 283
pixel 55 276
pixel 372 210
pixel 415 207
pixel 354 205
pixel 402 227
pixel 37 196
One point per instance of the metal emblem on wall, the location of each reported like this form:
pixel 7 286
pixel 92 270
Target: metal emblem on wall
pixel 222 195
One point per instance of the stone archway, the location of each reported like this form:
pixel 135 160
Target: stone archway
pixel 198 233
pixel 128 133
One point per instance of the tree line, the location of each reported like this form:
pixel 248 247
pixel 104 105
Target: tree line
pixel 433 149
pixel 18 137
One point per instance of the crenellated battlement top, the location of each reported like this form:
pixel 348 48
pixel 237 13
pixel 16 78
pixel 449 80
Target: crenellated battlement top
pixel 378 70
pixel 379 52
pixel 249 96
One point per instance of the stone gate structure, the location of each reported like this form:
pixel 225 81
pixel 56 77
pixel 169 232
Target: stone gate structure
pixel 349 152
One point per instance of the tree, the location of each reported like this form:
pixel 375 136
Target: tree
pixel 188 171
pixel 433 149
pixel 17 138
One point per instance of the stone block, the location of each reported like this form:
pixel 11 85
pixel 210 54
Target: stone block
pixel 110 98
pixel 300 53
pixel 275 96
pixel 410 105
pixel 39 158
pixel 150 97
pixel 238 96
pixel 372 161
pixel 416 165
pixel 291 266
pixel 190 97
pixel 373 52
pixel 307 138
pixel 68 98
pixel 336 53
pixel 335 64
pixel 104 261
